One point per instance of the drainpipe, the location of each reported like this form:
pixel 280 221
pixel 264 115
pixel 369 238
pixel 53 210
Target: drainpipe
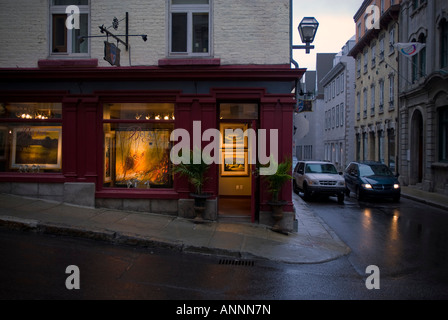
pixel 291 19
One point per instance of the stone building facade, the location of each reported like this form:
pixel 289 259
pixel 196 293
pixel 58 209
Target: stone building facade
pixel 424 96
pixel 376 90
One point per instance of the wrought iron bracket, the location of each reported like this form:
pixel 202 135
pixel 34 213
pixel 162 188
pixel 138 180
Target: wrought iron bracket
pixel 115 24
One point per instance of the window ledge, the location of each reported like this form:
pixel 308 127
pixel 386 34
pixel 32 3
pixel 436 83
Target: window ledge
pixel 189 62
pixel 68 63
pixel 440 165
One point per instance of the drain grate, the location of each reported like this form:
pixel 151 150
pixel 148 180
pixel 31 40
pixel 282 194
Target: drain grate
pixel 243 263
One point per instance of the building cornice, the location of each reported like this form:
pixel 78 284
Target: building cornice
pixel 228 72
pixel 389 15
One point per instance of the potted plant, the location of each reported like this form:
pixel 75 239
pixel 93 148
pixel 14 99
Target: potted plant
pixel 196 175
pixel 275 183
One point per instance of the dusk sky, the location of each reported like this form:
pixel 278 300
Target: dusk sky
pixel 336 27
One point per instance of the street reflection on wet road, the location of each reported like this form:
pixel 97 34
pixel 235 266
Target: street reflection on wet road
pixel 400 238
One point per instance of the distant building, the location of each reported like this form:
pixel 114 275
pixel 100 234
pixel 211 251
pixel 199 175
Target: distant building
pixel 376 90
pixel 424 96
pixel 310 125
pixel 338 130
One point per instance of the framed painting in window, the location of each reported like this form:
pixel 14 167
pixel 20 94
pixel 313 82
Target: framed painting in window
pixel 233 136
pixel 234 164
pixel 37 146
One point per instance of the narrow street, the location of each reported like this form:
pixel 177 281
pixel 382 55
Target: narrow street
pixel 406 242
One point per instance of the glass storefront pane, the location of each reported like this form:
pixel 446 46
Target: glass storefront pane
pixel 138 111
pixel 31 111
pixel 243 111
pixel 137 156
pixel 30 147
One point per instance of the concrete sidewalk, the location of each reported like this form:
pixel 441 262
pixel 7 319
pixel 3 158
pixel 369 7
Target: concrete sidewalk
pixel 313 243
pixel 430 198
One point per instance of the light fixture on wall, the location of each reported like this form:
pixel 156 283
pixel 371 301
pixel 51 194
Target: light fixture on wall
pixel 307 30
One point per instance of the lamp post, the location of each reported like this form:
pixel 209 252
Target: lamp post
pixel 307 30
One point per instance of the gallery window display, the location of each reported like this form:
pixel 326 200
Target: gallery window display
pixel 30 137
pixel 137 145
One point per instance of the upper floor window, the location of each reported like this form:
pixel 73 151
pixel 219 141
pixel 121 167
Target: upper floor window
pixel 366 59
pixel 444 44
pixel 443 134
pixel 65 41
pixel 381 47
pixel 391 40
pixel 417 3
pixel 190 27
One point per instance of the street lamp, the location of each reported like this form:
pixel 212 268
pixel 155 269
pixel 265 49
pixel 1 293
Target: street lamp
pixel 307 30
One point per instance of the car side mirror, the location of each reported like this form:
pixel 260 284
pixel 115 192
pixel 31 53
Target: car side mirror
pixel 300 171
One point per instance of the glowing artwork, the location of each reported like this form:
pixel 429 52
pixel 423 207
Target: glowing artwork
pixel 142 157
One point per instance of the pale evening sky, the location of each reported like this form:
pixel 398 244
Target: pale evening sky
pixel 336 27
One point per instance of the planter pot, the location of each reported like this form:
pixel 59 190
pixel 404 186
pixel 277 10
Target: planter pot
pixel 200 201
pixel 277 214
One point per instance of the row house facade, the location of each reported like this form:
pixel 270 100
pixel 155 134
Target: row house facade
pixel 91 92
pixel 338 133
pixel 424 96
pixel 376 89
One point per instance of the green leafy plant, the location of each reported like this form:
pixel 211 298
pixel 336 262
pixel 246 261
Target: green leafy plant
pixel 277 180
pixel 194 172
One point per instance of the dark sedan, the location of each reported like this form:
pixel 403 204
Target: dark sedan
pixel 371 179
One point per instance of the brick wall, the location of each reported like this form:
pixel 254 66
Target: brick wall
pixel 244 31
pixel 24 32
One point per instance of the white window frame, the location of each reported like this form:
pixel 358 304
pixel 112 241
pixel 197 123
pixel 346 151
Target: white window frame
pixel 190 9
pixel 61 9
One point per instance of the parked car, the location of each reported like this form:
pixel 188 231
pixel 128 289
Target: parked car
pixel 318 178
pixel 371 179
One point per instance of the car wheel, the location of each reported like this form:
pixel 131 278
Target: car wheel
pixel 359 194
pixel 306 193
pixel 294 187
pixel 347 192
pixel 341 198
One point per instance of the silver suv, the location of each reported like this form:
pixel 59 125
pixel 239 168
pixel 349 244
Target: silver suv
pixel 318 177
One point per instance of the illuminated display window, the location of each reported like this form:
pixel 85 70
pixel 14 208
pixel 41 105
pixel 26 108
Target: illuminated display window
pixel 30 137
pixel 137 152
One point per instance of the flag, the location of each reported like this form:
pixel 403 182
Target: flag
pixel 410 49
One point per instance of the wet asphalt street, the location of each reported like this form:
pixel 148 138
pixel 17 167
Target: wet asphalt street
pixel 407 241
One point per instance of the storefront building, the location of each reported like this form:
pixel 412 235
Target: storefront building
pixel 75 129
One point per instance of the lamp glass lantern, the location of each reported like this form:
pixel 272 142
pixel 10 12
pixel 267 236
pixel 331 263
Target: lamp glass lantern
pixel 308 29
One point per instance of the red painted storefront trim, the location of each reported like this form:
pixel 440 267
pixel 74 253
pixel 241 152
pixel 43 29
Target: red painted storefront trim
pixel 83 123
pixel 228 72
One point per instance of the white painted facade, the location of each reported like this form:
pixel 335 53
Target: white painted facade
pixel 241 32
